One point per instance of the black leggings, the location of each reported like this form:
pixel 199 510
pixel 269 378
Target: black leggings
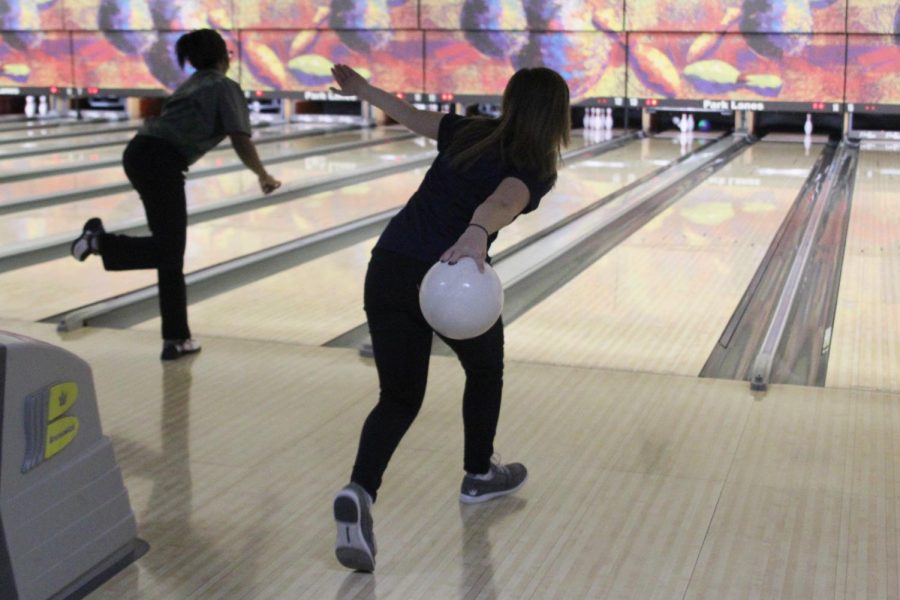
pixel 401 342
pixel 156 170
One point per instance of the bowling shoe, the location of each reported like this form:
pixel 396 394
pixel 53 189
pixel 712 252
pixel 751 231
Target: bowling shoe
pixel 505 479
pixel 355 546
pixel 86 243
pixel 174 349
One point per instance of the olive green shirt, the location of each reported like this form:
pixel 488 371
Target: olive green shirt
pixel 203 110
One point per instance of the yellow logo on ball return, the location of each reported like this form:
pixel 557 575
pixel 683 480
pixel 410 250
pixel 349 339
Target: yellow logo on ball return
pixel 47 428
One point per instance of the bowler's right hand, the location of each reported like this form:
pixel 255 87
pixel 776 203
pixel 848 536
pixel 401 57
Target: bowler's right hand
pixel 268 184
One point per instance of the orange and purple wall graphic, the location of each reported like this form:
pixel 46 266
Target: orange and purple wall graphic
pixel 278 60
pixel 739 66
pixel 777 50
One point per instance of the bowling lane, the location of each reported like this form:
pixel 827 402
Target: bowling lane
pixel 319 300
pixel 67 182
pixel 49 123
pixel 115 209
pixel 865 344
pixel 56 286
pixel 604 174
pixel 60 285
pixel 42 132
pixel 10 165
pixel 659 301
pixel 12 149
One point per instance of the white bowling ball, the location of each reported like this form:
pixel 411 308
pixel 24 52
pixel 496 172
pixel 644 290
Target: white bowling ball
pixel 458 301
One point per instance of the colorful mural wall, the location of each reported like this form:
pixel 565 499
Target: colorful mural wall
pixel 745 66
pixel 774 50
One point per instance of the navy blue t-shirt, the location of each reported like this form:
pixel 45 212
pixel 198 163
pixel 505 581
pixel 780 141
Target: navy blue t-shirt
pixel 440 210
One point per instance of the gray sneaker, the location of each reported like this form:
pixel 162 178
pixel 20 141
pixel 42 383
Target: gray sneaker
pixel 506 480
pixel 355 546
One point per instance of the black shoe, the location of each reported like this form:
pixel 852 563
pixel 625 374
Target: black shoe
pixel 86 243
pixel 174 349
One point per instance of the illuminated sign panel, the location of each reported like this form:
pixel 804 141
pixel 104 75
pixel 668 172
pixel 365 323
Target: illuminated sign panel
pixel 327 14
pixel 747 16
pixel 873 16
pixel 298 61
pixel 873 69
pixel 35 59
pixel 517 15
pixel 480 63
pixel 771 67
pixel 143 15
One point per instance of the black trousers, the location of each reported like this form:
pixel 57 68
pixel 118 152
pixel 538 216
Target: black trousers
pixel 156 170
pixel 401 342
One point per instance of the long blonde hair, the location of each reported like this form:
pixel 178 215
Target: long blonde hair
pixel 531 131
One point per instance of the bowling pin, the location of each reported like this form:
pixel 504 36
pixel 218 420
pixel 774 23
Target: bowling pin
pixel 42 106
pixel 586 119
pixel 690 122
pixel 29 106
pixel 684 123
pixel 807 127
pixel 609 119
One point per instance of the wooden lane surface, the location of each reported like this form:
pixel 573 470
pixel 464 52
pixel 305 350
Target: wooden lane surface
pixel 68 182
pixel 660 300
pixel 641 485
pixel 60 145
pixel 56 286
pixel 36 131
pixel 10 166
pixel 126 206
pixel 319 300
pixel 865 345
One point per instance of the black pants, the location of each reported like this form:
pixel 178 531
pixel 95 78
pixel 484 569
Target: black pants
pixel 401 342
pixel 156 170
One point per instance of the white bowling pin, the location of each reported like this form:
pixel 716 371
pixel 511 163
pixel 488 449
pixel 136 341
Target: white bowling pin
pixel 609 119
pixel 690 122
pixel 807 127
pixel 30 108
pixel 684 123
pixel 42 106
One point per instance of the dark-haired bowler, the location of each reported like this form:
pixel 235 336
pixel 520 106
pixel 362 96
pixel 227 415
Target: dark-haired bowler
pixel 488 171
pixel 205 109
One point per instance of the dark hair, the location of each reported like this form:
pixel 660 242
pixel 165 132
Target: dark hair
pixel 531 131
pixel 204 48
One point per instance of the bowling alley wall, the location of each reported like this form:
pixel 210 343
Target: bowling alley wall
pixel 831 51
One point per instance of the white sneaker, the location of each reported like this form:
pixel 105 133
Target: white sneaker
pixel 174 349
